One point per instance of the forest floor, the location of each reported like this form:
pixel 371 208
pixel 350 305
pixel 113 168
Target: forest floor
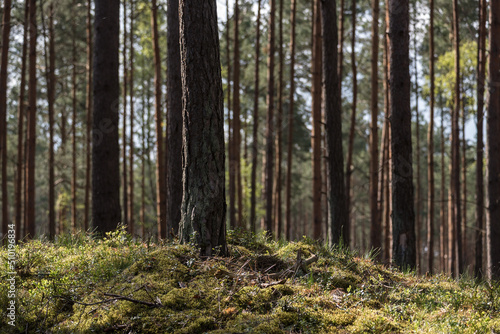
pixel 81 284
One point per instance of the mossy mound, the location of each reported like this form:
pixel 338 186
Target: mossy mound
pixel 117 285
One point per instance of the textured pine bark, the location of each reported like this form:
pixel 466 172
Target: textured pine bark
pixel 338 223
pixel 268 184
pixel 174 119
pixel 31 128
pixel 493 131
pixel 288 222
pixel 253 223
pixel 203 207
pixel 3 112
pixel 404 252
pixel 479 235
pixel 106 90
pixel 375 228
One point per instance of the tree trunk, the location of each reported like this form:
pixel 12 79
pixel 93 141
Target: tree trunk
pixel 106 90
pixel 375 230
pixel 279 130
pixel 443 227
pixel 350 149
pixel 493 124
pixel 270 122
pixel 341 47
pixel 253 223
pixel 131 222
pixel 31 150
pixel 174 119
pixel 430 154
pixel 418 197
pixel 124 126
pixel 230 145
pixel 203 202
pixel 73 126
pixel 464 183
pixel 316 120
pixel 88 108
pixel 20 132
pixel 456 212
pixel 236 140
pixel 478 268
pixel 3 113
pixel 160 167
pixel 402 178
pixel 291 106
pixel 51 82
pixel 338 219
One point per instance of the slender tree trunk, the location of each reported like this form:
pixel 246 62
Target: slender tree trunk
pixel 350 149
pixel 291 106
pixel 3 112
pixel 124 126
pixel 73 126
pixel 106 212
pixel 464 184
pixel 230 144
pixel 131 221
pixel 316 120
pixel 341 47
pixel 203 202
pixel 478 268
pixel 160 168
pixel 493 131
pixel 279 129
pixel 30 175
pixel 236 142
pixel 375 231
pixel 418 197
pixel 174 119
pixel 430 154
pixel 51 82
pixel 253 223
pixel 455 216
pixel 338 219
pixel 402 178
pixel 443 226
pixel 270 121
pixel 88 108
pixel 20 131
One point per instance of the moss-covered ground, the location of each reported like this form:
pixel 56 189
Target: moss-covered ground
pixel 81 284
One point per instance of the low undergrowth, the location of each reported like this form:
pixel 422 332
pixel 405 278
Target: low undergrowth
pixel 81 284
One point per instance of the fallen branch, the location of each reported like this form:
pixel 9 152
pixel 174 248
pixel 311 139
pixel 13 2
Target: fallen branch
pixel 118 297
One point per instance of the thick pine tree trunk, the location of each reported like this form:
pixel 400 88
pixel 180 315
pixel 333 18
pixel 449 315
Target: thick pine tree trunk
pixel 268 222
pixel 316 120
pixel 124 120
pixel 160 162
pixel 375 228
pixel 236 142
pixel 455 218
pixel 493 131
pixel 203 201
pixel 253 223
pixel 106 90
pixel 88 108
pixel 131 214
pixel 73 126
pixel 288 221
pixel 338 226
pixel 20 132
pixel 430 154
pixel 31 141
pixel 3 112
pixel 479 235
pixel 279 131
pixel 402 172
pixel 174 119
pixel 350 148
